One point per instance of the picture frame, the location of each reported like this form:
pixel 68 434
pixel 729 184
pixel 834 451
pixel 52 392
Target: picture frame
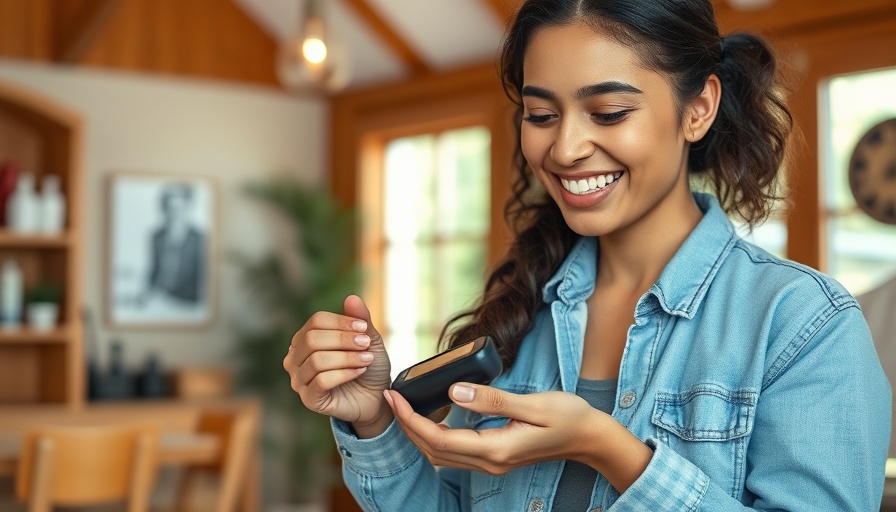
pixel 160 240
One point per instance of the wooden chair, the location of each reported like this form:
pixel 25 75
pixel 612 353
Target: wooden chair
pixel 87 465
pixel 235 433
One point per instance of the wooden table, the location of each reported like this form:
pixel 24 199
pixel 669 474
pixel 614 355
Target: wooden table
pixel 175 449
pixel 179 444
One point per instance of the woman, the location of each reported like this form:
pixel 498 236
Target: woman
pixel 653 360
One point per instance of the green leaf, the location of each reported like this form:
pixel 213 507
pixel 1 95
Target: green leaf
pixel 325 244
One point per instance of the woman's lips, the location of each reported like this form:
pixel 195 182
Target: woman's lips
pixel 595 190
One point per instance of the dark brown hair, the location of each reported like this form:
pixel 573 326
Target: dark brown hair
pixel 739 159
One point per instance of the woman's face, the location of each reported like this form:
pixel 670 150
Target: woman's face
pixel 601 132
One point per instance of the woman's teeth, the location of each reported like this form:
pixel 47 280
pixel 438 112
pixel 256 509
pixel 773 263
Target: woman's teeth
pixel 586 186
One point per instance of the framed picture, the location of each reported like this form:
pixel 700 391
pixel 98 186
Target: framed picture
pixel 159 245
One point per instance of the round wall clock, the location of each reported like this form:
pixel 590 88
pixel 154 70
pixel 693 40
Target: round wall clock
pixel 872 172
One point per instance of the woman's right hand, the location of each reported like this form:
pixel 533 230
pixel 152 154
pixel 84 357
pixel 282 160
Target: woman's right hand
pixel 339 367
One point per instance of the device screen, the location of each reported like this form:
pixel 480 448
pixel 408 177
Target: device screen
pixel 440 360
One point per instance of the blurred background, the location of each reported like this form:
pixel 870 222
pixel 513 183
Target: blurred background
pixel 182 182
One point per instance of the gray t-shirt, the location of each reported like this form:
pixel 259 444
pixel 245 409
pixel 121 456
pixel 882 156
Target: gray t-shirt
pixel 577 481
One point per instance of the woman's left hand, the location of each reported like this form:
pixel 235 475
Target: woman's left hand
pixel 543 426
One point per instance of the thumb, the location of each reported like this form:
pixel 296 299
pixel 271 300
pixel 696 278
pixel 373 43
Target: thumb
pixel 355 307
pixel 493 401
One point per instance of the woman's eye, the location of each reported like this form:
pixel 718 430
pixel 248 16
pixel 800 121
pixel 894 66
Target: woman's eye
pixel 538 119
pixel 612 117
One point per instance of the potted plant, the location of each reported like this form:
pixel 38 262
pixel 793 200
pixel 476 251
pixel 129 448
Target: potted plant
pixel 324 237
pixel 42 306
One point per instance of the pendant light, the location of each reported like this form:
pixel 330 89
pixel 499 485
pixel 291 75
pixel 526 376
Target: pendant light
pixel 312 58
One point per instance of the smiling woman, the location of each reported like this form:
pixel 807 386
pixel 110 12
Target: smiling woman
pixel 653 359
pixel 622 127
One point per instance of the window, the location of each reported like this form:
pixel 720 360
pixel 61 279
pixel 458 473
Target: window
pixel 436 223
pixel 771 235
pixel 861 252
pixel 428 164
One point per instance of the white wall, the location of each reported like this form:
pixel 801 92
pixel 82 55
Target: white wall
pixel 230 133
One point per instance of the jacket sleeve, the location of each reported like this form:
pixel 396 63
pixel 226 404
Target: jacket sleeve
pixel 826 452
pixel 389 473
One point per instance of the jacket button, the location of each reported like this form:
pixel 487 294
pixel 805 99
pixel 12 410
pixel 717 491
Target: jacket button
pixel 628 399
pixel 537 505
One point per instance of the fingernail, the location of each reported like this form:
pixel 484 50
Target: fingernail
pixel 366 357
pixel 463 393
pixel 359 325
pixel 362 340
pixel 388 398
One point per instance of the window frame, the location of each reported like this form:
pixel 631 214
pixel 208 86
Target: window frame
pixel 364 122
pixel 818 56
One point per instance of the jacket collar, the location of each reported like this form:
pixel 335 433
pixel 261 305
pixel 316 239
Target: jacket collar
pixel 574 280
pixel 683 283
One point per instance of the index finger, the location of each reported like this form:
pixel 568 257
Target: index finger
pixel 326 320
pixel 331 331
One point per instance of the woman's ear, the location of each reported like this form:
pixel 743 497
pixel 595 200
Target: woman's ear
pixel 701 112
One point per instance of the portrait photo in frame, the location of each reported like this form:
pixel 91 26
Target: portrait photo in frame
pixel 160 240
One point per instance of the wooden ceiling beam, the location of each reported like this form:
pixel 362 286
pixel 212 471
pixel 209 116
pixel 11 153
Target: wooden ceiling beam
pixel 503 9
pixel 402 49
pixel 796 17
pixel 76 32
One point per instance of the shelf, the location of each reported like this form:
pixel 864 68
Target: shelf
pixel 44 367
pixel 31 241
pixel 26 336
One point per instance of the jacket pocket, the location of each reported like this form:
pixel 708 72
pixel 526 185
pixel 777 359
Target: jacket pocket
pixel 709 425
pixel 706 412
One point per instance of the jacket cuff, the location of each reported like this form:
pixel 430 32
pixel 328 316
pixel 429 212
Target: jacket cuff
pixel 385 455
pixel 670 482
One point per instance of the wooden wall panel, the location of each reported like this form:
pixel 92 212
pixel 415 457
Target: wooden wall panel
pixel 201 38
pixel 26 29
pixel 77 24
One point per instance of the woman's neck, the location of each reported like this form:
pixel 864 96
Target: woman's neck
pixel 634 258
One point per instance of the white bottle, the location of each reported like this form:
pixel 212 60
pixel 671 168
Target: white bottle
pixel 52 206
pixel 11 294
pixel 23 209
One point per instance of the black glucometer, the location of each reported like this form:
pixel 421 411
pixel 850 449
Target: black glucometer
pixel 425 385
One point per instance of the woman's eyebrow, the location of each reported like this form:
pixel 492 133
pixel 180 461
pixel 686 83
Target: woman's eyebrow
pixel 538 92
pixel 612 87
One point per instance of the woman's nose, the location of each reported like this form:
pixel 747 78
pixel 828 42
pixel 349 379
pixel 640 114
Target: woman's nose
pixel 572 145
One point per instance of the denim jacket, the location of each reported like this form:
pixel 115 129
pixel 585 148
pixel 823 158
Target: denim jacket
pixel 753 379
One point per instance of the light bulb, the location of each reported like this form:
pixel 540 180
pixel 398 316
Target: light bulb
pixel 313 57
pixel 314 50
